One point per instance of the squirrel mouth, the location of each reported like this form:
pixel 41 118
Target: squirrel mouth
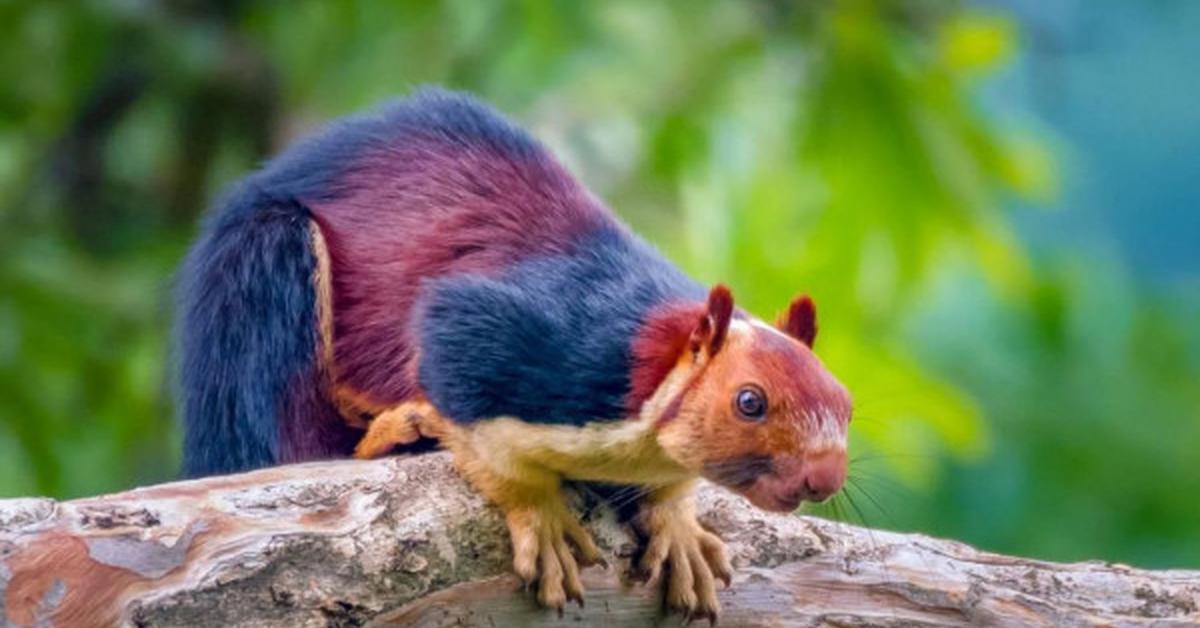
pixel 738 474
pixel 755 478
pixel 780 484
pixel 766 495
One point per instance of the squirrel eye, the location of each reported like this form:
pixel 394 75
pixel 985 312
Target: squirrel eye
pixel 750 403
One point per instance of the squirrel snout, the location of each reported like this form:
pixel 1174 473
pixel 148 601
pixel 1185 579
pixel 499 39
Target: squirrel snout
pixel 812 477
pixel 820 476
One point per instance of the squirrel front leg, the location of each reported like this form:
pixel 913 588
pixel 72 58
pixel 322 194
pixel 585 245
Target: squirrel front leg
pixel 539 521
pixel 694 557
pixel 529 495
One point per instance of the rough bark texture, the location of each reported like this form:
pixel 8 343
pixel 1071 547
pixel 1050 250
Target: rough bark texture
pixel 404 541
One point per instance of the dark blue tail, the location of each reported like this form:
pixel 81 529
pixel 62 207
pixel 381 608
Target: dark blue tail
pixel 247 341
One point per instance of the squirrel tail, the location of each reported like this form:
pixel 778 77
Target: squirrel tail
pixel 253 388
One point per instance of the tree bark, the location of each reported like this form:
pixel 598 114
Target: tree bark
pixel 403 541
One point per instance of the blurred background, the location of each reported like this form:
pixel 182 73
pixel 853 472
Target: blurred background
pixel 994 204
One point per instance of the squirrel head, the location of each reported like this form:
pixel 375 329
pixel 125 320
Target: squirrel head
pixel 745 404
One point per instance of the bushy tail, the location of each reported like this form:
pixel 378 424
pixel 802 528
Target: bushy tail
pixel 250 386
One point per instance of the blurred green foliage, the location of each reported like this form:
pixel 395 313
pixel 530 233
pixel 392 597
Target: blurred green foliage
pixel 1046 408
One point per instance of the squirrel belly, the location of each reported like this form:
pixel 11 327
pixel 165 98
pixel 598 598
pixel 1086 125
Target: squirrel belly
pixel 611 452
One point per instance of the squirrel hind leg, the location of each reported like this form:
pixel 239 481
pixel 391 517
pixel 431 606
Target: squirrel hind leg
pixel 399 426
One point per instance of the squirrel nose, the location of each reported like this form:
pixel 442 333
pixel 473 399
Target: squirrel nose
pixel 823 476
pixel 818 492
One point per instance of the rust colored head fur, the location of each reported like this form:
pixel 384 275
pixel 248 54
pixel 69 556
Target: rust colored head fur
pixel 747 405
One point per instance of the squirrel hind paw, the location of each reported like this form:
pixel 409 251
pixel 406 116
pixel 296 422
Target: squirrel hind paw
pixel 393 428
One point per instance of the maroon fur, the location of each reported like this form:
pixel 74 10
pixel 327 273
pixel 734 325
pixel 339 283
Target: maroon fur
pixel 667 333
pixel 311 428
pixel 424 209
pixel 678 327
pixel 714 326
pixel 800 320
pixel 657 347
pixel 778 359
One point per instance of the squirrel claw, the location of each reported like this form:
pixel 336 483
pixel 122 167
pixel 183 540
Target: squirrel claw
pixel 689 616
pixel 633 575
pixel 593 562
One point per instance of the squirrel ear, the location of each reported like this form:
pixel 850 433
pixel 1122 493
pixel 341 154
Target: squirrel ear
pixel 800 320
pixel 713 327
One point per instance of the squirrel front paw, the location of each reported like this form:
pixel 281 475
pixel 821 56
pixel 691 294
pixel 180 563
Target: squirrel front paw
pixel 541 553
pixel 694 559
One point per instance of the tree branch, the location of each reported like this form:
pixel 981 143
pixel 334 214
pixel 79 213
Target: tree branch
pixel 404 541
